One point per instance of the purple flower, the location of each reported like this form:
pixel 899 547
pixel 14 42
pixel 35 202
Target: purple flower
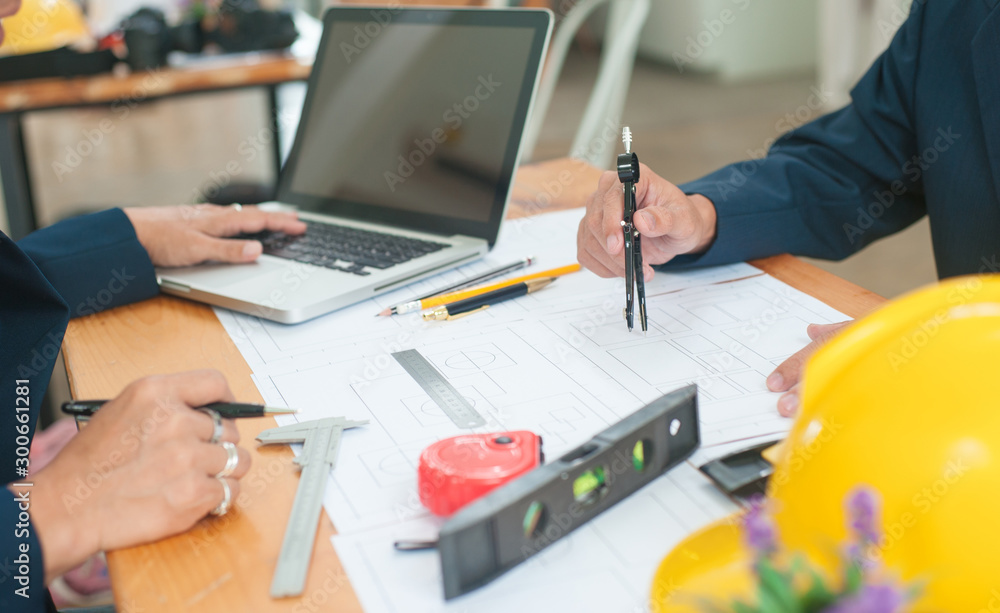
pixel 871 599
pixel 856 555
pixel 758 529
pixel 862 509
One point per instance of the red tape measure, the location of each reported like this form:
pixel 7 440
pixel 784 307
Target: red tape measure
pixel 455 471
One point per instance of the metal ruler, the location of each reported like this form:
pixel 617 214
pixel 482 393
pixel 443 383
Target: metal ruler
pixel 321 442
pixel 454 405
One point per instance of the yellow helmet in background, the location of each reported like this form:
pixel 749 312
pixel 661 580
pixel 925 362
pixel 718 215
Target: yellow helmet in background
pixel 906 402
pixel 44 25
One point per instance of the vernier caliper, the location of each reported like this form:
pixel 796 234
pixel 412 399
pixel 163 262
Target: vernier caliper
pixel 321 441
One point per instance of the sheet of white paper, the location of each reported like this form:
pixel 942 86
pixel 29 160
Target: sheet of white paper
pixel 607 565
pixel 560 363
pixel 272 347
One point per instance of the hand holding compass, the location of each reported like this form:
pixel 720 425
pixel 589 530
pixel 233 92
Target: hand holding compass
pixel 628 174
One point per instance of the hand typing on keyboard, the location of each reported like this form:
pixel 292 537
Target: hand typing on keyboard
pixel 344 248
pixel 187 235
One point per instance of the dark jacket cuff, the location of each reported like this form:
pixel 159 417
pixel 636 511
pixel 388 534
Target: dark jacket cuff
pixel 95 261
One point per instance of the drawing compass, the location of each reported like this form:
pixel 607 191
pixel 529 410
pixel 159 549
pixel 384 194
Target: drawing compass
pixel 628 174
pixel 321 442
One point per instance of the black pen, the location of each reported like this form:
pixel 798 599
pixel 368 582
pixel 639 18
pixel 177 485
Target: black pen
pixel 484 301
pixel 228 410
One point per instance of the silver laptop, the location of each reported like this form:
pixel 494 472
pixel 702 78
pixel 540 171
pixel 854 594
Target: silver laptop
pixel 402 163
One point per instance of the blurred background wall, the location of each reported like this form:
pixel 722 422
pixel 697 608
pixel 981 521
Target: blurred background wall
pixel 715 81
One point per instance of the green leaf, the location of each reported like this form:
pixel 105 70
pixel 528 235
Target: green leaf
pixel 853 578
pixel 776 590
pixel 915 590
pixel 742 607
pixel 769 603
pixel 819 596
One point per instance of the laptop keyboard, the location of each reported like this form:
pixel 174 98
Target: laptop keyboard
pixel 344 248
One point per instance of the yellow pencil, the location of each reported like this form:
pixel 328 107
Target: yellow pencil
pixel 475 291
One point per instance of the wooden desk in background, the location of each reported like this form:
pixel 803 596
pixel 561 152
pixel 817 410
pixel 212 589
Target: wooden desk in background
pixel 210 74
pixel 226 564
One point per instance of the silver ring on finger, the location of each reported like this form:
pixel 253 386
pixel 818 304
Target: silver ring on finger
pixel 216 425
pixel 232 460
pixel 237 207
pixel 227 499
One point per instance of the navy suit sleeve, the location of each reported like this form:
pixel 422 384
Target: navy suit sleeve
pixel 95 261
pixel 834 185
pixel 92 263
pixel 32 322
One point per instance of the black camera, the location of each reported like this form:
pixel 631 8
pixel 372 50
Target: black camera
pixel 237 26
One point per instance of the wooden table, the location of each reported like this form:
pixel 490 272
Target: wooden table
pixel 212 74
pixel 217 73
pixel 225 564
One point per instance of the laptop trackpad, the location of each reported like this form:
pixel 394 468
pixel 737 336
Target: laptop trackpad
pixel 219 276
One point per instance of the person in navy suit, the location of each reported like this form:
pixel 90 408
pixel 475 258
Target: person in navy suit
pixel 920 137
pixel 146 466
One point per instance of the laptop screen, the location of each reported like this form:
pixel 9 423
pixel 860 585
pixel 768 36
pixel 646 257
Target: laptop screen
pixel 414 117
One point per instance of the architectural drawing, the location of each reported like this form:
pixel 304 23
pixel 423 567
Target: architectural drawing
pixel 559 363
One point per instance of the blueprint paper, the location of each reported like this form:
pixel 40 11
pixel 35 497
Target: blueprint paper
pixel 607 565
pixel 560 363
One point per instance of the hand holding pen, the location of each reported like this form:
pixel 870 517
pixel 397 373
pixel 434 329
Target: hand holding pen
pixel 146 467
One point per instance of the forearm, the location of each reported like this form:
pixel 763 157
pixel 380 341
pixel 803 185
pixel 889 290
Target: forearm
pixel 788 203
pixel 95 262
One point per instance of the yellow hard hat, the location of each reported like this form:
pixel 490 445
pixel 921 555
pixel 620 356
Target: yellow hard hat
pixel 44 25
pixel 904 402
